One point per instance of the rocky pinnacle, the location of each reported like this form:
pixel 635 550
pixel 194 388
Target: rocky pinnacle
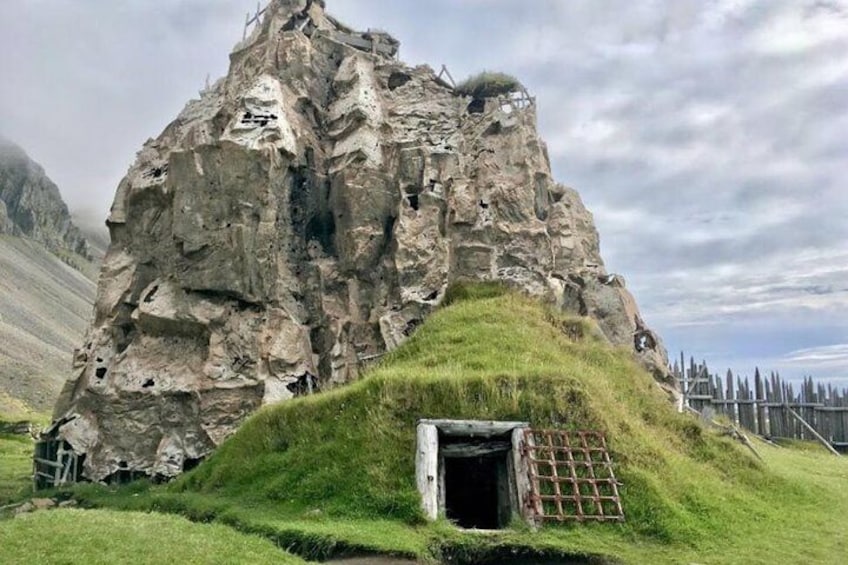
pixel 302 217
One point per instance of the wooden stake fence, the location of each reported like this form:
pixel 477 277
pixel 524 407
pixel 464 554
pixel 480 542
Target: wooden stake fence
pixel 770 406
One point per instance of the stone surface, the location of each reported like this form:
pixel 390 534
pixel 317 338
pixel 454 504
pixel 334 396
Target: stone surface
pixel 43 503
pixel 306 214
pixel 24 508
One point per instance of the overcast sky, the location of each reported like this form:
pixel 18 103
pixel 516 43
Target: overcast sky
pixel 709 138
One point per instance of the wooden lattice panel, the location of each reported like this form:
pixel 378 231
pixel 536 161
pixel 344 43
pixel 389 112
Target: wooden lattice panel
pixel 571 476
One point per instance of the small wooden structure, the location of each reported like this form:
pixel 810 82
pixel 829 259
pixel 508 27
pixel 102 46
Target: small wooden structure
pixel 55 464
pixel 481 474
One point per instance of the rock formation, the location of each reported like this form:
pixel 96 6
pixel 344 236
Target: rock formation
pixel 31 206
pixel 303 216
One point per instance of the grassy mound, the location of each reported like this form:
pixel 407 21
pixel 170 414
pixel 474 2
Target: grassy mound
pixel 350 453
pixel 334 473
pixel 102 536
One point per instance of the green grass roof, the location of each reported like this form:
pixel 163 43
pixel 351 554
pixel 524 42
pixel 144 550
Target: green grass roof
pixel 350 452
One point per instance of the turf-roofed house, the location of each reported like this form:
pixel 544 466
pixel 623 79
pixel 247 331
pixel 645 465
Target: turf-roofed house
pixel 300 231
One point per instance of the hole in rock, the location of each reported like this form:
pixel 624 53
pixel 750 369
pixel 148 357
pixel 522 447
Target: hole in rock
pixel 398 79
pixel 100 372
pixel 189 463
pixel 156 172
pixel 484 205
pixel 148 383
pixel 477 106
pixel 413 201
pixel 643 340
pixel 305 384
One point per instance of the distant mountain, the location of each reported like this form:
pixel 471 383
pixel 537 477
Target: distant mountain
pixel 47 283
pixel 31 206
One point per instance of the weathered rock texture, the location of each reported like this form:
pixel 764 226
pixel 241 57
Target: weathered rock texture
pixel 305 215
pixel 31 206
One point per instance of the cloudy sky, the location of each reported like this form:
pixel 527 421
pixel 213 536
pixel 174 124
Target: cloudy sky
pixel 709 137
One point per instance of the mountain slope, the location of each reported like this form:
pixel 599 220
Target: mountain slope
pixel 44 307
pixel 47 276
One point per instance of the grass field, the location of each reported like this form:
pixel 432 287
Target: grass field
pixel 15 467
pixel 107 537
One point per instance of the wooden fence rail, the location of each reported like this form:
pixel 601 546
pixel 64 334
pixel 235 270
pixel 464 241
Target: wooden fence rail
pixel 770 406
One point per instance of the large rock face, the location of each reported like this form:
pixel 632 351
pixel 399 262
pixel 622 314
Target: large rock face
pixel 300 218
pixel 31 206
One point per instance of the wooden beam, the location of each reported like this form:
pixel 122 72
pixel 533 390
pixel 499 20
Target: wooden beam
pixel 466 449
pixel 523 489
pixel 813 431
pixel 48 463
pixel 427 469
pixel 474 428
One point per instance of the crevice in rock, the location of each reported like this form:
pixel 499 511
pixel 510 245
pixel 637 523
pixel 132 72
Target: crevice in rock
pixel 150 295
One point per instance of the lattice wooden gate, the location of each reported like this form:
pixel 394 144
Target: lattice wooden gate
pixel 571 476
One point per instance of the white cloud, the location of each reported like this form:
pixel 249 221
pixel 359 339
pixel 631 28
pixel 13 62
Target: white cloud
pixel 795 31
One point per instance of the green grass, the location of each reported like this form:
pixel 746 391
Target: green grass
pixel 16 410
pixel 334 473
pixel 15 467
pixel 488 84
pixel 16 450
pixel 102 536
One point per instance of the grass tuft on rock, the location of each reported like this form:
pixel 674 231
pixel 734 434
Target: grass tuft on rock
pixel 488 84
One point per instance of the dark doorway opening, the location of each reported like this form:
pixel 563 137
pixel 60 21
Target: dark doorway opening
pixel 477 491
